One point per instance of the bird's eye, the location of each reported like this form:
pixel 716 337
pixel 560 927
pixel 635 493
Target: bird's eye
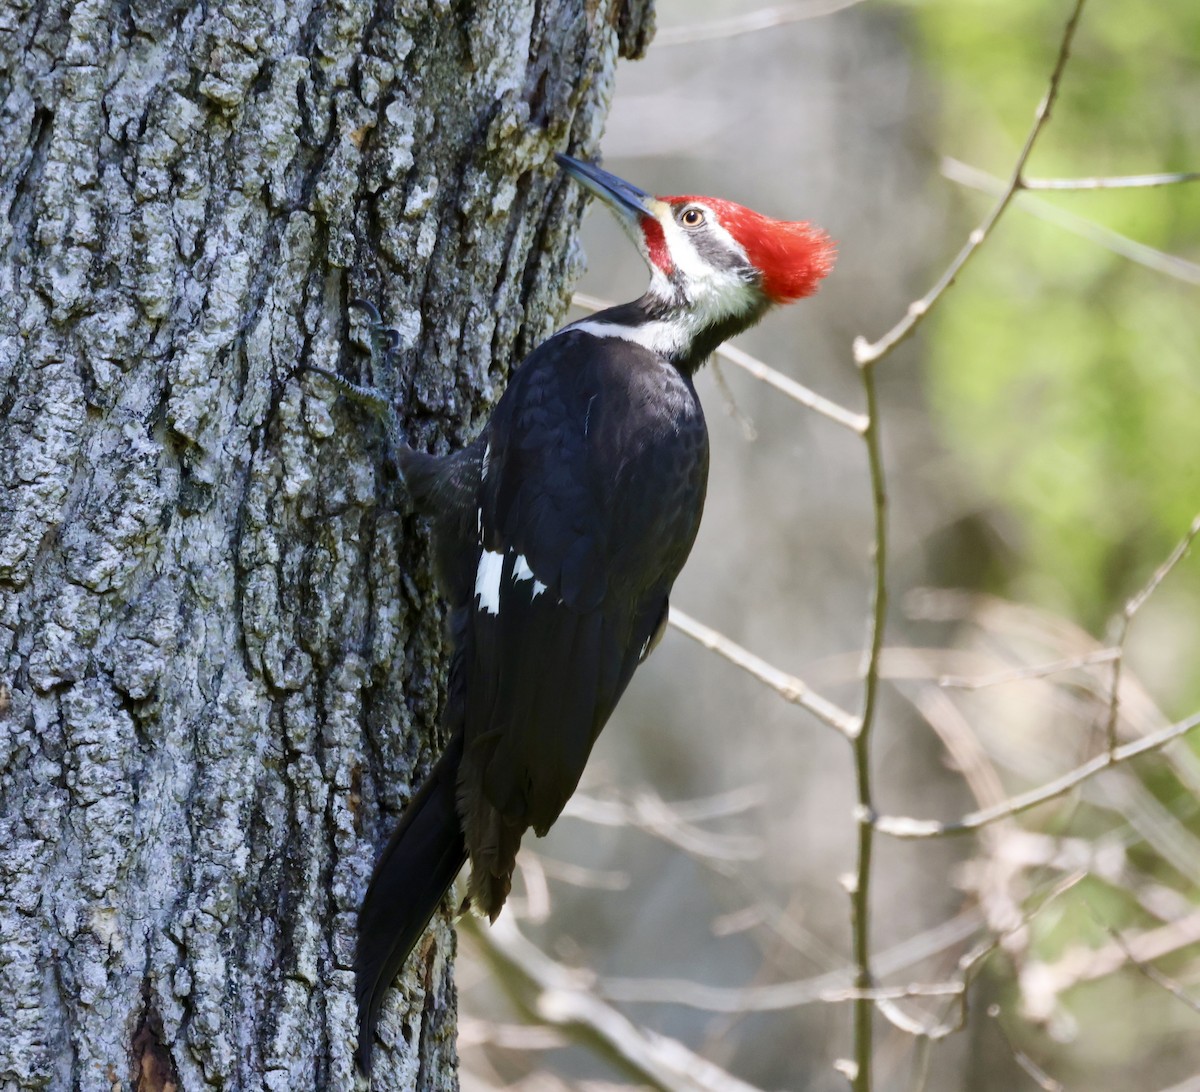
pixel 692 217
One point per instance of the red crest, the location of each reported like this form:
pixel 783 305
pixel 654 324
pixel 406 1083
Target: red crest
pixel 793 256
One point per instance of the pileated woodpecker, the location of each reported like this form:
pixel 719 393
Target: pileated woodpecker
pixel 558 534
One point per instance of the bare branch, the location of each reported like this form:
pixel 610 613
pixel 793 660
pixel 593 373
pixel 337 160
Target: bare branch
pixel 866 352
pixel 1022 624
pixel 1148 256
pixel 833 986
pixel 899 827
pixel 922 1059
pixel 1164 570
pixel 867 355
pixel 1118 182
pixel 1040 1077
pixel 1132 606
pixel 696 810
pixel 650 813
pixel 859 886
pixel 963 745
pixel 751 21
pixel 797 392
pixel 596 879
pixel 525 1037
pixel 749 429
pixel 1043 984
pixel 1153 973
pixel 782 995
pixel 788 687
pixel 1033 671
pixel 561 998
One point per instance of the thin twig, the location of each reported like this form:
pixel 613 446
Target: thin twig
pixel 859 885
pixel 1114 182
pixel 1158 260
pixel 749 430
pixel 833 986
pixel 866 352
pixel 1040 1077
pixel 962 743
pixel 797 392
pixel 1021 624
pixel 651 814
pixel 788 687
pixel 523 1037
pixel 1033 671
pixel 1146 968
pixel 922 1057
pixel 562 998
pixel 786 995
pixel 1124 620
pixel 1164 570
pixel 867 355
pixel 900 827
pixel 1080 963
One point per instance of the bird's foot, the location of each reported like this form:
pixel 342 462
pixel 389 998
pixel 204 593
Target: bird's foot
pixel 369 398
pixel 385 340
pixel 383 344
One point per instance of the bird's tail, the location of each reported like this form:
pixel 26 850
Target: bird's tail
pixel 415 870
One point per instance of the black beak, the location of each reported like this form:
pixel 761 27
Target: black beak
pixel 626 200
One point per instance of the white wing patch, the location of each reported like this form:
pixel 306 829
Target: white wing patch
pixel 522 571
pixel 491 569
pixel 487 581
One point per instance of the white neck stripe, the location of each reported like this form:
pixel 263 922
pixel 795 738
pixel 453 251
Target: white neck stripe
pixel 663 338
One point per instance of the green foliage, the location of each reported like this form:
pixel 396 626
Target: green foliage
pixel 1064 376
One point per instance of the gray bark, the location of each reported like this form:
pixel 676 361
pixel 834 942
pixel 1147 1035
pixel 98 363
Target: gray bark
pixel 221 655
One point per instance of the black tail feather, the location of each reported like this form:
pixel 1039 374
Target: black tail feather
pixel 415 870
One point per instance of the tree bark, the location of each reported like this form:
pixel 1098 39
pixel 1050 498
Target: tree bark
pixel 221 654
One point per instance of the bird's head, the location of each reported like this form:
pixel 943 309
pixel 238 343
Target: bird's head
pixel 717 266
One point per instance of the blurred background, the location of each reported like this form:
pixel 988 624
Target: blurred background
pixel 1042 446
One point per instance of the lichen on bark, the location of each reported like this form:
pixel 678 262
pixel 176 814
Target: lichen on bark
pixel 221 651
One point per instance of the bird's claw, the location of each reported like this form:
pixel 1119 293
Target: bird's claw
pixel 385 340
pixel 371 310
pixel 375 401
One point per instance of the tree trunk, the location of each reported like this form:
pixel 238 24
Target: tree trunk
pixel 221 653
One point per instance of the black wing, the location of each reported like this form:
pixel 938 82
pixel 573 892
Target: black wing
pixel 594 471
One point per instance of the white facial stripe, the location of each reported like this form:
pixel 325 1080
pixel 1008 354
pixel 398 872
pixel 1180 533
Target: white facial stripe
pixel 680 247
pixel 713 294
pixel 487 581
